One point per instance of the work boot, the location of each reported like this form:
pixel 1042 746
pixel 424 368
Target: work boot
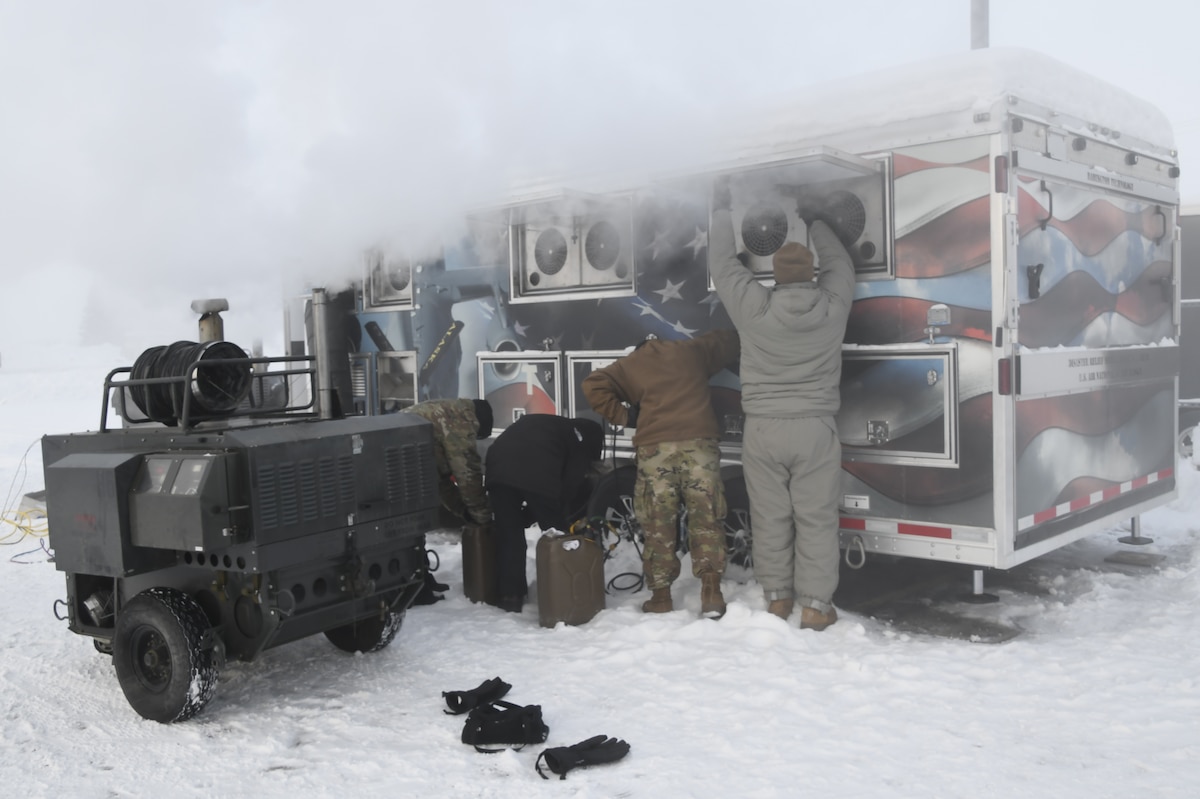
pixel 813 619
pixel 660 602
pixel 781 607
pixel 712 603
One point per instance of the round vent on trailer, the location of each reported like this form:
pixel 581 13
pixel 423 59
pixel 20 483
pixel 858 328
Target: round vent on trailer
pixel 550 251
pixel 764 229
pixel 399 275
pixel 602 246
pixel 846 215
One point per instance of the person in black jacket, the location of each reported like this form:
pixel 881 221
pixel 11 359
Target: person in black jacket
pixel 538 466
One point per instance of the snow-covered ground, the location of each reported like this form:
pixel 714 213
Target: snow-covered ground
pixel 1098 696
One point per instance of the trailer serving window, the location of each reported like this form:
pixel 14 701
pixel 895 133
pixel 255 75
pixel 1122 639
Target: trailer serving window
pixel 571 244
pixel 388 282
pixel 900 404
pixel 580 364
pixel 517 383
pixel 852 194
pixel 383 382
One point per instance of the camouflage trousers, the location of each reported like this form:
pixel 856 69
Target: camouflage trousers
pixel 672 475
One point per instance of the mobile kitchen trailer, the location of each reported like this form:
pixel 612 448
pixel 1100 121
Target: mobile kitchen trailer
pixel 1011 362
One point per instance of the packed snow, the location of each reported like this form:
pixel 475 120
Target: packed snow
pixel 1098 695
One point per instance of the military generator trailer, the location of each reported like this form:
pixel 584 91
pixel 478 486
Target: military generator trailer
pixel 219 532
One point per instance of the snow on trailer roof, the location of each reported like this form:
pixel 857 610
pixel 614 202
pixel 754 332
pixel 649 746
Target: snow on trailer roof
pixel 950 97
pixel 953 96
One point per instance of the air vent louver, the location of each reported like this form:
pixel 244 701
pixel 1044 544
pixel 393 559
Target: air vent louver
pixel 602 245
pixel 764 229
pixel 550 251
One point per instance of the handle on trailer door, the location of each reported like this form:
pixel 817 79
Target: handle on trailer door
pixel 1049 208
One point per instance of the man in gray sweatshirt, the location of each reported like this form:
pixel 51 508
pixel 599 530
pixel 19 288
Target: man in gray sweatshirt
pixel 791 366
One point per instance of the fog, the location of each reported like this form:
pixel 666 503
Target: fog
pixel 159 153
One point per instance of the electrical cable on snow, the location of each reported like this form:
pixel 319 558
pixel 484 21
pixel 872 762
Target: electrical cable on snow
pixel 637 578
pixel 17 525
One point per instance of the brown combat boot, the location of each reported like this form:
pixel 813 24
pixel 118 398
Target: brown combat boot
pixel 781 607
pixel 660 602
pixel 813 619
pixel 712 602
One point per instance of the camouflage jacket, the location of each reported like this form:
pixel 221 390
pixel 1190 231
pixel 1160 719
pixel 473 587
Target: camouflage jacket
pixel 460 469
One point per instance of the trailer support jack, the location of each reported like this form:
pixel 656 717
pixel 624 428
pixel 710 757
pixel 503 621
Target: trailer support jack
pixel 1135 537
pixel 977 595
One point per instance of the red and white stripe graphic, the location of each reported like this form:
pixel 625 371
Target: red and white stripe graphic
pixel 1092 499
pixel 895 528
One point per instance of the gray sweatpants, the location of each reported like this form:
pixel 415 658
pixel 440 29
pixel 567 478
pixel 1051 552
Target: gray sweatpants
pixel 793 475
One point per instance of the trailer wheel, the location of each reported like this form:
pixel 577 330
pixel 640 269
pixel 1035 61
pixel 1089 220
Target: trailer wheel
pixel 368 635
pixel 738 535
pixel 612 501
pixel 164 655
pixel 1186 442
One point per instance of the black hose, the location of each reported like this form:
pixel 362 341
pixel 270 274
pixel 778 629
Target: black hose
pixel 215 389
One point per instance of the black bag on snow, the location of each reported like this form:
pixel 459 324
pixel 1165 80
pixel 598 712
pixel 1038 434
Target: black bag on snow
pixel 504 723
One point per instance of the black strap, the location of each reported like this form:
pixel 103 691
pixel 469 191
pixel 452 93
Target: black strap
pixel 537 764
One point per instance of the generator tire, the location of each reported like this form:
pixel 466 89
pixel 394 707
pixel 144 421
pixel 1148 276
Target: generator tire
pixel 164 655
pixel 368 635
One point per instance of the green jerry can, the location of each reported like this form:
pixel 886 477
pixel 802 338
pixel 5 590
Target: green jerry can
pixel 570 578
pixel 479 564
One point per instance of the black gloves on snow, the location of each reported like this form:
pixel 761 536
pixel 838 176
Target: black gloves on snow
pixel 593 751
pixel 463 701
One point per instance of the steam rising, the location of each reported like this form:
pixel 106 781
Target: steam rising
pixel 163 152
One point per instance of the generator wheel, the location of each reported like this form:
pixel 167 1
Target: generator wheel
pixel 164 655
pixel 368 635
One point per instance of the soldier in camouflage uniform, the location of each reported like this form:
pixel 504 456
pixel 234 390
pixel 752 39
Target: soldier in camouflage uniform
pixel 457 425
pixel 661 390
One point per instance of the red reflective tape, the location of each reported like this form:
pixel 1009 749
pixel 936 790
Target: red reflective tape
pixel 1138 482
pixel 1080 503
pixel 1004 377
pixel 853 524
pixel 1044 516
pixel 1109 493
pixel 920 529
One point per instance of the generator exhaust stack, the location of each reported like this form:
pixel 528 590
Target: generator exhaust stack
pixel 212 327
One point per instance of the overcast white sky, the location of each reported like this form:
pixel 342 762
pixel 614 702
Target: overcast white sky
pixel 154 152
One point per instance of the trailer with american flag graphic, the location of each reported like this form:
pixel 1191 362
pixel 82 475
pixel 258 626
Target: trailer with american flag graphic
pixel 1011 363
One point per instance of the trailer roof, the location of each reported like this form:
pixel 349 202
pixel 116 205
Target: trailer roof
pixel 953 96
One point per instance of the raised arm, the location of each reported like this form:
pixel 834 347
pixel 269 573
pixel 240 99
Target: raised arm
pixel 742 295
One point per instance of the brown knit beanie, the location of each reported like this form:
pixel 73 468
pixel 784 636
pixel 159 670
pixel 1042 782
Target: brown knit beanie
pixel 793 263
